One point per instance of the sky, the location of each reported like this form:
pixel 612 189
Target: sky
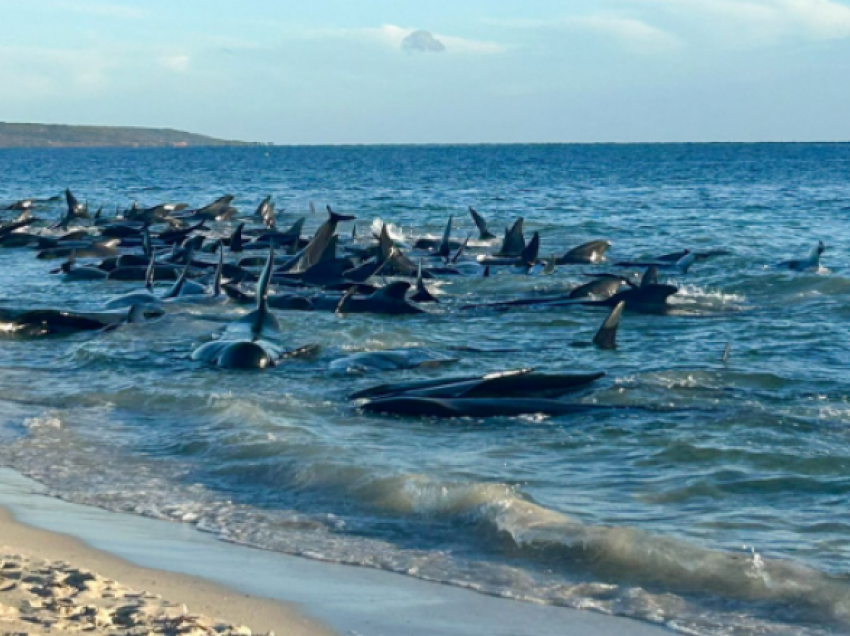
pixel 436 71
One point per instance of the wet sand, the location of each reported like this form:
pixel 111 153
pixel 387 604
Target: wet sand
pixel 236 586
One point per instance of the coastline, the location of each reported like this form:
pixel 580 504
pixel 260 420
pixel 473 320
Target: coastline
pixel 118 581
pixel 251 587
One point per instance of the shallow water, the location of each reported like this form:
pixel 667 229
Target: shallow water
pixel 721 510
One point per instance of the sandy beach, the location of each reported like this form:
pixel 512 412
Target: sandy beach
pixel 52 583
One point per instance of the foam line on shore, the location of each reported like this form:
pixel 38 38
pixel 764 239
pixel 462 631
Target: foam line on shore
pixel 348 599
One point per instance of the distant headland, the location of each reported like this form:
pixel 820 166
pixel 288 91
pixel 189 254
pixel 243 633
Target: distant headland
pixel 61 136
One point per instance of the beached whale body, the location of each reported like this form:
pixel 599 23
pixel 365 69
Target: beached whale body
pixel 46 322
pixel 520 383
pixel 70 272
pixel 245 343
pixel 391 360
pixel 650 298
pixel 811 262
pixel 389 300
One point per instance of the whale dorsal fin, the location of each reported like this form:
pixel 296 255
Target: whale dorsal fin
pixel 514 241
pixel 483 233
pixel 340 306
pixel 184 275
pixel 422 294
pixel 461 249
pixel 151 272
pixel 686 261
pixel 295 228
pixel 444 249
pixel 261 209
pixel 216 290
pixel 650 276
pixel 147 248
pixel 606 337
pixel 263 295
pixel 385 243
pixel 236 239
pixel 531 251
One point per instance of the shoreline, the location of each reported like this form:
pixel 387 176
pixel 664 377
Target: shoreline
pixel 170 594
pixel 312 596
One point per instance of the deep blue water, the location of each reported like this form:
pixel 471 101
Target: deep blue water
pixel 726 515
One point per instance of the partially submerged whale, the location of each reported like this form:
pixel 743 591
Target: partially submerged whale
pixel 48 322
pixel 390 299
pixel 525 383
pixel 388 360
pixel 682 262
pixel 588 253
pixel 246 343
pixel 811 262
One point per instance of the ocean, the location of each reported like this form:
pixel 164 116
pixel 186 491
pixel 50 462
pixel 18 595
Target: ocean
pixel 718 507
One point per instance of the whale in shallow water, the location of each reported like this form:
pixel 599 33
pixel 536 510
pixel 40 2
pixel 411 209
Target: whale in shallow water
pixel 525 383
pixel 390 299
pixel 811 262
pixel 48 322
pixel 246 343
pixel 681 264
pixel 388 360
pixel 321 247
pixel 72 273
pixel 651 298
pixel 588 253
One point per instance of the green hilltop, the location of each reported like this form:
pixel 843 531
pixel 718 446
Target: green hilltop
pixel 61 136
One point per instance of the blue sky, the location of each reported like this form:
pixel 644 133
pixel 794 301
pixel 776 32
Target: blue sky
pixel 375 71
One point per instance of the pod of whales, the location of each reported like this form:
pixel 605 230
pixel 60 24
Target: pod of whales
pixel 281 270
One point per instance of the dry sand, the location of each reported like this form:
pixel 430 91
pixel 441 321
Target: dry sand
pixel 51 583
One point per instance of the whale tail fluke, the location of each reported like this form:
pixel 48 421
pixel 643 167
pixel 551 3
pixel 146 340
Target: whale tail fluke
pixel 336 217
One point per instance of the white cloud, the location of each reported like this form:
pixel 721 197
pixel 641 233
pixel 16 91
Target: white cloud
pixel 631 32
pixel 55 71
pixel 756 22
